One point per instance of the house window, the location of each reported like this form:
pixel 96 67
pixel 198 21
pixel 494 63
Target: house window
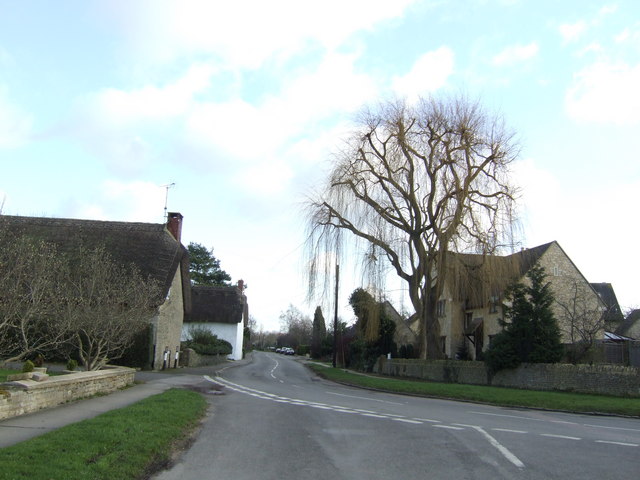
pixel 493 304
pixel 556 271
pixel 443 344
pixel 468 318
pixel 440 308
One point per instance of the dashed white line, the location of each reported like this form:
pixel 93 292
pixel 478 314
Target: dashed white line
pixel 448 427
pixel 565 437
pixel 364 398
pixel 613 428
pixel 623 444
pixel 427 420
pixel 406 420
pixel 374 415
pixel 508 430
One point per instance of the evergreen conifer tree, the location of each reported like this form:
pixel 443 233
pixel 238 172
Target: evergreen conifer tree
pixel 530 330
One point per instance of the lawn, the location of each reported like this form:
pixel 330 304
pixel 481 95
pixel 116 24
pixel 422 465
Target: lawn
pixel 4 372
pixel 128 443
pixel 512 397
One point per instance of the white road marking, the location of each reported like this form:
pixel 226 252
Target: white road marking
pixel 613 428
pixel 502 449
pixel 274 369
pixel 428 420
pixel 415 421
pixel 619 443
pixel 522 417
pixel 566 437
pixel 406 420
pixel 364 398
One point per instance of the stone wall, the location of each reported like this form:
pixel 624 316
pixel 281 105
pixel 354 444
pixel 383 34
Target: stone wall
pixel 168 326
pixel 594 379
pixel 27 396
pixel 189 358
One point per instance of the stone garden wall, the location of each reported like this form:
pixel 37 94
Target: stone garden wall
pixel 20 397
pixel 598 379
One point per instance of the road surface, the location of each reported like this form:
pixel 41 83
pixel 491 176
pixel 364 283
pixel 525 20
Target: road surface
pixel 275 419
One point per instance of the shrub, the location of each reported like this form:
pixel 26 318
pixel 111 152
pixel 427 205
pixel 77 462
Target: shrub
pixel 204 342
pixel 202 335
pixel 72 364
pixel 28 366
pixel 38 361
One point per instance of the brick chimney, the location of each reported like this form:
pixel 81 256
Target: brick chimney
pixel 174 224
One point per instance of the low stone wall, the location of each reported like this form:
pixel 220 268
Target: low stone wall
pixel 26 396
pixel 189 358
pixel 596 379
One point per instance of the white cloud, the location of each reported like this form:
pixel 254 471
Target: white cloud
pixel 584 224
pixel 245 33
pixel 126 201
pixel 15 123
pixel 605 92
pixel 571 32
pixel 429 73
pixel 122 108
pixel 515 54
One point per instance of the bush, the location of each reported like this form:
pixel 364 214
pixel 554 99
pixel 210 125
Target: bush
pixel 303 349
pixel 28 366
pixel 204 342
pixel 202 335
pixel 72 364
pixel 221 347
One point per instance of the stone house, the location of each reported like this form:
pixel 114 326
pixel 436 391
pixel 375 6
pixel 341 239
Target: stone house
pixel 221 310
pixel 155 250
pixel 471 307
pixel 630 327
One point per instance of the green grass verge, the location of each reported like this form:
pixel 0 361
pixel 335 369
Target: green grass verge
pixel 128 443
pixel 512 397
pixel 4 372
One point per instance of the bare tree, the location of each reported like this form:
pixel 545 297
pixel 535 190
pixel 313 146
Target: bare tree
pixel 581 318
pixel 296 326
pixel 31 274
pixel 108 304
pixel 412 184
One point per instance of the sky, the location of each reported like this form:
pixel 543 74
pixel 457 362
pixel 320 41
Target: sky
pixel 240 105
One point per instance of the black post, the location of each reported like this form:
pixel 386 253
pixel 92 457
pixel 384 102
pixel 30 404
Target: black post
pixel 335 317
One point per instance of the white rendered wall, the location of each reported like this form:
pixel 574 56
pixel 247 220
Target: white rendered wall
pixel 231 332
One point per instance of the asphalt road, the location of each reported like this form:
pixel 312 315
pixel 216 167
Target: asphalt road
pixel 275 419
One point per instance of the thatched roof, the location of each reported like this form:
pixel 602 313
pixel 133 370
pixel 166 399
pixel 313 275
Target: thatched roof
pixel 216 305
pixel 477 278
pixel 148 246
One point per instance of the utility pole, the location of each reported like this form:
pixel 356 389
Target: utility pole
pixel 335 317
